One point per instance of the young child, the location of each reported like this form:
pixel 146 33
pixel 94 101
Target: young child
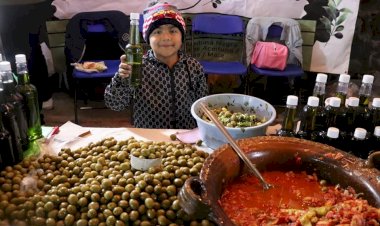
pixel 170 82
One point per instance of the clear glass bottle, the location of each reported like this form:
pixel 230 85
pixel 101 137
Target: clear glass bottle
pixel 307 119
pixel 6 148
pixel 332 138
pixel 287 128
pixel 342 88
pixel 320 88
pixel 30 94
pixel 16 99
pixel 374 114
pixel 365 91
pixel 351 116
pixel 10 124
pixel 332 111
pixel 359 143
pixel 134 50
pixel 374 141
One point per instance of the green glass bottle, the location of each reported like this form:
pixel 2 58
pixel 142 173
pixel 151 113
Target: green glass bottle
pixel 307 119
pixel 30 94
pixel 17 100
pixel 134 51
pixel 287 128
pixel 342 88
pixel 332 111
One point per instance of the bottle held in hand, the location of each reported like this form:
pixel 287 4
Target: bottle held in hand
pixel 134 51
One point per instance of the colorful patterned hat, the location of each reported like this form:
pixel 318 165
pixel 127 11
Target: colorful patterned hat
pixel 160 14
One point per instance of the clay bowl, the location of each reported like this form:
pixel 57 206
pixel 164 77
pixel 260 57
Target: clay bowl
pixel 199 196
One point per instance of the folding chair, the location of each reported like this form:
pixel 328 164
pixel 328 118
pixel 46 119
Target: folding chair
pixel 283 30
pixel 221 28
pixel 94 36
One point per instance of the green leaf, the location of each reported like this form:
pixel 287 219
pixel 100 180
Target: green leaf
pixel 332 4
pixel 341 19
pixel 345 10
pixel 326 23
pixel 330 13
pixel 338 2
pixel 339 28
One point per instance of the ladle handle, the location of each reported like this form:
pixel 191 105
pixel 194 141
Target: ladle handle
pixel 232 142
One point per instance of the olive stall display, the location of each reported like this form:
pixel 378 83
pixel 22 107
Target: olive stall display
pixel 96 185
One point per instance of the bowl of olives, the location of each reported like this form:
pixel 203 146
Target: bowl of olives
pixel 243 116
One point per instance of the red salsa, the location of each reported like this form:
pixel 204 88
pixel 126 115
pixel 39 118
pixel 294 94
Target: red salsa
pixel 296 199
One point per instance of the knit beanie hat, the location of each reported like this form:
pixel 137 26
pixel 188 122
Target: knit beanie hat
pixel 159 14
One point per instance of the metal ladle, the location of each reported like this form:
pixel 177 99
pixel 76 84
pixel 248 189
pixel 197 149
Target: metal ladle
pixel 234 146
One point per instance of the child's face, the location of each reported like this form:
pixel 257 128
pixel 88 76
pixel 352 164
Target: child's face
pixel 165 41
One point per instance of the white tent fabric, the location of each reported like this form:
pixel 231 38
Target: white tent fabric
pixel 329 57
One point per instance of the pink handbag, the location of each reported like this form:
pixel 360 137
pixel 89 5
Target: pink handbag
pixel 270 55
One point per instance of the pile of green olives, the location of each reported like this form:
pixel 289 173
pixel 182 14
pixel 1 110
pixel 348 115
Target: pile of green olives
pixel 235 119
pixel 95 185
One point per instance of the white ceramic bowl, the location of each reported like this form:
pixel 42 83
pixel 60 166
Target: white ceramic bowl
pixel 211 135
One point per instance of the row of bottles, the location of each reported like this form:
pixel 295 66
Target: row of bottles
pixel 20 115
pixel 347 136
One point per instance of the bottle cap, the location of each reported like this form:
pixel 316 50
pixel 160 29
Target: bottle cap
pixel 321 78
pixel 334 101
pixel 376 102
pixel 313 101
pixel 5 66
pixel 345 78
pixel 353 101
pixel 134 16
pixel 360 133
pixel 20 58
pixel 376 132
pixel 333 132
pixel 367 79
pixel 292 100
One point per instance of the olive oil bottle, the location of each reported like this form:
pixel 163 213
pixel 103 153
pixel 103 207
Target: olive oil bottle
pixel 6 148
pixel 287 128
pixel 342 88
pixel 10 124
pixel 30 94
pixel 332 138
pixel 359 143
pixel 320 92
pixel 351 116
pixel 134 51
pixel 365 91
pixel 16 100
pixel 307 119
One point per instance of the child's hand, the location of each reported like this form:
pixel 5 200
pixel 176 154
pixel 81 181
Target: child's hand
pixel 124 69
